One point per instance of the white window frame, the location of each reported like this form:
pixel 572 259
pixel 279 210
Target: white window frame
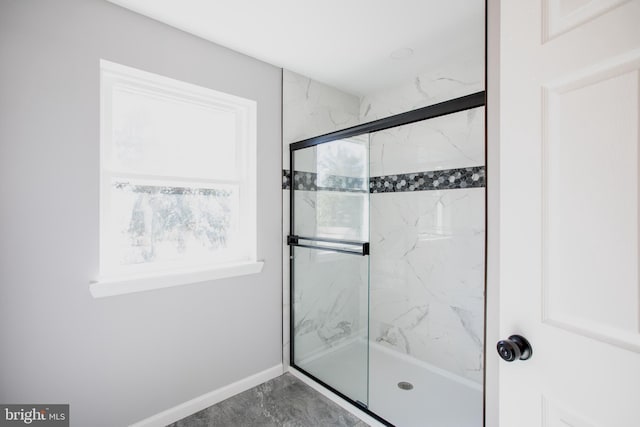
pixel 114 280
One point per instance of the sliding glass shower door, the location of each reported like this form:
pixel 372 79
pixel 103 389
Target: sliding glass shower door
pixel 397 326
pixel 330 264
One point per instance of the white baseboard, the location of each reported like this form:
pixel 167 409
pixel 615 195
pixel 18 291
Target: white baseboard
pixel 335 398
pixel 202 402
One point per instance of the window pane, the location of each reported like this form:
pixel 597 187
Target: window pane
pixel 155 134
pixel 172 225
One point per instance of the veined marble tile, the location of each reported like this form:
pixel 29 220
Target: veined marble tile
pixel 305 213
pixel 447 142
pixel 330 300
pixel 456 78
pixel 310 108
pixel 427 276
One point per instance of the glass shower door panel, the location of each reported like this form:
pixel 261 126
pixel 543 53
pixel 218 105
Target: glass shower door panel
pixel 330 330
pixel 330 186
pixel 330 268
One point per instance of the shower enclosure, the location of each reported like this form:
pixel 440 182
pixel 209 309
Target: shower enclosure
pixel 387 263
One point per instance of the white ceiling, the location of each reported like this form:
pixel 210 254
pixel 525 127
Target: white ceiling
pixel 344 43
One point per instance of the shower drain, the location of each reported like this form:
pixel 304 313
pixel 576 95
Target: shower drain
pixel 403 385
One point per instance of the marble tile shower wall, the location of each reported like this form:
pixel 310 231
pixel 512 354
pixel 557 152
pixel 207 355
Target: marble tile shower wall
pixel 330 296
pixel 447 142
pixel 330 301
pixel 427 247
pixel 309 108
pixel 456 78
pixel 427 272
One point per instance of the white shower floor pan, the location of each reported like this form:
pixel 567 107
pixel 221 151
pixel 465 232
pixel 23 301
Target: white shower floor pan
pixel 437 399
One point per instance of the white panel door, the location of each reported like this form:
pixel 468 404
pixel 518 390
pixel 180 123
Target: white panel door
pixel 569 211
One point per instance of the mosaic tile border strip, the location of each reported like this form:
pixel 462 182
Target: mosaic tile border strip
pixel 431 180
pixel 447 179
pixel 286 179
pixel 309 181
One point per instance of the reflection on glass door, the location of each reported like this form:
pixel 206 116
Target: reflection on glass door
pixel 330 267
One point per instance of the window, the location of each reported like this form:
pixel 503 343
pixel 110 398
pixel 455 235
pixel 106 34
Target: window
pixel 178 178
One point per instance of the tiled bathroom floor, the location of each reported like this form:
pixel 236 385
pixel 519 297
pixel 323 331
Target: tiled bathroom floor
pixel 282 401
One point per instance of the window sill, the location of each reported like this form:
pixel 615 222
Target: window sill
pixel 128 285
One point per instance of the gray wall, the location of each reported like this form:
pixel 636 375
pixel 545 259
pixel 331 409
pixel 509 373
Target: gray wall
pixel 116 360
